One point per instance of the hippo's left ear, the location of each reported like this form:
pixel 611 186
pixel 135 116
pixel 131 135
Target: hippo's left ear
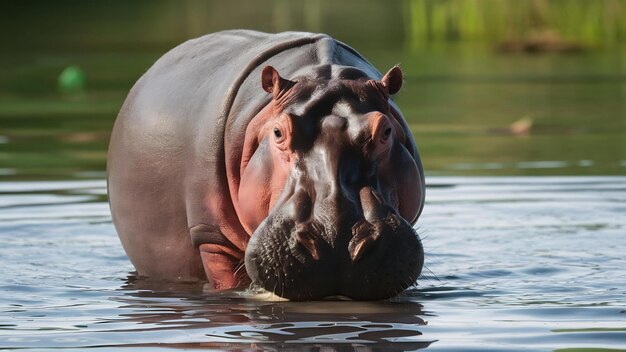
pixel 392 80
pixel 273 83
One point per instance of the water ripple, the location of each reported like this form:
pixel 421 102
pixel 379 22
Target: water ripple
pixel 512 263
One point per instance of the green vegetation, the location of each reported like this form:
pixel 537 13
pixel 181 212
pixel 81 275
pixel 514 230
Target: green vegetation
pixel 594 23
pixel 66 67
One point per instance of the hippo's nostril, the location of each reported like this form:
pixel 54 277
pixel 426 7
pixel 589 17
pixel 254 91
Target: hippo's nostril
pixel 360 247
pixel 364 237
pixel 374 208
pixel 379 220
pixel 307 240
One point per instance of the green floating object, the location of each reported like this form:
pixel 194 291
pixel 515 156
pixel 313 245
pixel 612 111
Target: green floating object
pixel 71 80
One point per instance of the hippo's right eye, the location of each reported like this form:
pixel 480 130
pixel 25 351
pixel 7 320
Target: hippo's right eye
pixel 282 132
pixel 277 133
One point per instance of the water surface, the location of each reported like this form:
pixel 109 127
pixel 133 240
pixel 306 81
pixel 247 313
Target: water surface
pixel 512 263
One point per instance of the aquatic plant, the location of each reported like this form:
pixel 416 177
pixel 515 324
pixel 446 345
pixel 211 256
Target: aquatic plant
pixel 595 23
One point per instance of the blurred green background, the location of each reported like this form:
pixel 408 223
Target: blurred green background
pixel 492 87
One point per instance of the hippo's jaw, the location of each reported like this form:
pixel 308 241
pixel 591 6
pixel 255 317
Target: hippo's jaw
pixel 371 255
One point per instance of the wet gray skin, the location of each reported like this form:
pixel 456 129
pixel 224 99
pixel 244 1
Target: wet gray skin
pixel 336 228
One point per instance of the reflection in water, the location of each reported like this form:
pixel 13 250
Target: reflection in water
pixel 513 263
pixel 246 319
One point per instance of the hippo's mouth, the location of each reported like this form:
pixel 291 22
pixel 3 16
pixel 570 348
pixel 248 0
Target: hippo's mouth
pixel 280 264
pixel 370 260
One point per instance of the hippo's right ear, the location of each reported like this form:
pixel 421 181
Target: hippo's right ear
pixel 273 83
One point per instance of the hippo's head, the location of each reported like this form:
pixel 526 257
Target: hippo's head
pixel 330 185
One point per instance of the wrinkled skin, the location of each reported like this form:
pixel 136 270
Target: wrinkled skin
pixel 320 186
pixel 344 185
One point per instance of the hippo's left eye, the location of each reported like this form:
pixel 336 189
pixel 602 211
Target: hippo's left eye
pixel 387 133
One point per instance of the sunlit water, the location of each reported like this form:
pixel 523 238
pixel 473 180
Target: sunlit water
pixel 512 263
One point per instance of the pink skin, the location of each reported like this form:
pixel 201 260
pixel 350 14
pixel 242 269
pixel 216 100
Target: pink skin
pixel 264 172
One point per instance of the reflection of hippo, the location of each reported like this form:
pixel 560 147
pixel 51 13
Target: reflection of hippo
pixel 230 320
pixel 313 186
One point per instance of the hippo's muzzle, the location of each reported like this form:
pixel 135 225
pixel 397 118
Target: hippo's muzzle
pixel 368 252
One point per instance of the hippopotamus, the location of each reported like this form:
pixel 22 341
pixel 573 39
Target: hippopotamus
pixel 277 160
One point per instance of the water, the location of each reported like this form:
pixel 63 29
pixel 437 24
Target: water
pixel 512 263
pixel 459 97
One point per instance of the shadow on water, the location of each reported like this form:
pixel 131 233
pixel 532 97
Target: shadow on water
pixel 244 320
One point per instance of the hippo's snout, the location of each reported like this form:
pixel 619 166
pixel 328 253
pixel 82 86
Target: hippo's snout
pixel 373 254
pixel 385 251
